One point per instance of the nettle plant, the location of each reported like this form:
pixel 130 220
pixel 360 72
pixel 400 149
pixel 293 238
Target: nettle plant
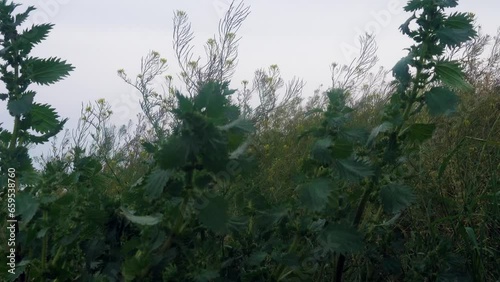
pixel 34 123
pixel 353 170
pixel 19 71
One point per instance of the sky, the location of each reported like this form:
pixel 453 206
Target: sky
pixel 302 37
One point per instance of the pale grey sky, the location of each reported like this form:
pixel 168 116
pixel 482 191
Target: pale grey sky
pixel 302 37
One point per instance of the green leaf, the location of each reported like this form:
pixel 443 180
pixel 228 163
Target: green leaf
pixel 184 104
pixel 401 71
pixel 210 100
pixel 156 182
pixel 458 28
pixel 44 119
pixel 214 215
pixel 142 220
pixel 341 238
pixel 441 101
pixel 26 207
pixel 351 169
pixel 419 132
pixel 451 75
pixel 396 197
pixel 320 152
pixel 33 36
pixel 20 18
pixel 48 71
pixel 21 106
pixel 314 195
pixel 384 127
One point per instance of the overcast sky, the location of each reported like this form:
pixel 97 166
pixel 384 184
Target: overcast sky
pixel 302 37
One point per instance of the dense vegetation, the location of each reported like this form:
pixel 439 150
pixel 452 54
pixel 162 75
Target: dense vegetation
pixel 374 179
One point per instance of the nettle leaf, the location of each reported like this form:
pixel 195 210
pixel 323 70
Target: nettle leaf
pixel 156 182
pixel 314 195
pixel 351 169
pixel 44 119
pixel 21 106
pixel 26 207
pixel 456 29
pixel 47 71
pixel 441 101
pixel 46 136
pixel 396 197
pixel 401 71
pixel 142 220
pixel 341 238
pixel 384 127
pixel 184 104
pixel 210 100
pixel 215 215
pixel 451 75
pixel 20 18
pixel 34 35
pixel 419 132
pixel 320 152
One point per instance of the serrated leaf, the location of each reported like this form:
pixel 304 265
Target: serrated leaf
pixel 45 137
pixel 43 118
pixel 456 29
pixel 450 73
pixel 351 169
pixel 419 132
pixel 33 36
pixel 314 195
pixel 210 100
pixel 47 71
pixel 21 106
pixel 20 18
pixel 214 215
pixel 156 182
pixel 401 71
pixel 26 207
pixel 142 220
pixel 396 197
pixel 341 238
pixel 184 104
pixel 320 152
pixel 441 101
